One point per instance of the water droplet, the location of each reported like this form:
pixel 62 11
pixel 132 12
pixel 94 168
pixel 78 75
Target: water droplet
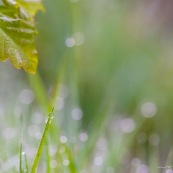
pixel 52 150
pixel 98 161
pixel 77 114
pixel 169 171
pixel 66 162
pixel 53 164
pixel 142 169
pixel 148 109
pixel 127 125
pixel 83 137
pixel 63 139
pixel 135 162
pixel 70 42
pixel 26 96
pixel 23 153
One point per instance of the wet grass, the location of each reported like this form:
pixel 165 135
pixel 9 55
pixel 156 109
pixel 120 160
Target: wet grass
pixel 109 79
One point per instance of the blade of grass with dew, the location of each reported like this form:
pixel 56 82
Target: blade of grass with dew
pixel 43 139
pixel 23 164
pixel 26 163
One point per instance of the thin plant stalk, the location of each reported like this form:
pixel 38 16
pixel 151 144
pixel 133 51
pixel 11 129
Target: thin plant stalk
pixel 43 139
pixel 20 161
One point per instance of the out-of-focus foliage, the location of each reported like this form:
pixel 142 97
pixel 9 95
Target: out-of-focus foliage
pixel 17 33
pixel 106 66
pixel 124 68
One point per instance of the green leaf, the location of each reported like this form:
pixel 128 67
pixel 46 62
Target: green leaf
pixel 17 33
pixel 31 7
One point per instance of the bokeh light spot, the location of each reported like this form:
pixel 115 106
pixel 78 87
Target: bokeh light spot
pixel 148 109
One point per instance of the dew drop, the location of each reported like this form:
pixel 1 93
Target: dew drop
pixel 66 162
pixel 53 164
pixel 148 109
pixel 127 125
pixel 77 114
pixel 70 42
pixel 83 137
pixel 26 96
pixel 98 161
pixel 63 139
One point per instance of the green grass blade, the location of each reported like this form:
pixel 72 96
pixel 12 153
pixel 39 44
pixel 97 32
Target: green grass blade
pixel 23 164
pixel 47 157
pixel 20 161
pixel 26 164
pixel 43 139
pixel 40 92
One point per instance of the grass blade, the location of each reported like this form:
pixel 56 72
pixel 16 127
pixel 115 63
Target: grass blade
pixel 40 92
pixel 43 139
pixel 20 161
pixel 47 157
pixel 23 164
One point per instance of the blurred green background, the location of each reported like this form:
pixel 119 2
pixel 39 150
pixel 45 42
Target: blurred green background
pixel 107 68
